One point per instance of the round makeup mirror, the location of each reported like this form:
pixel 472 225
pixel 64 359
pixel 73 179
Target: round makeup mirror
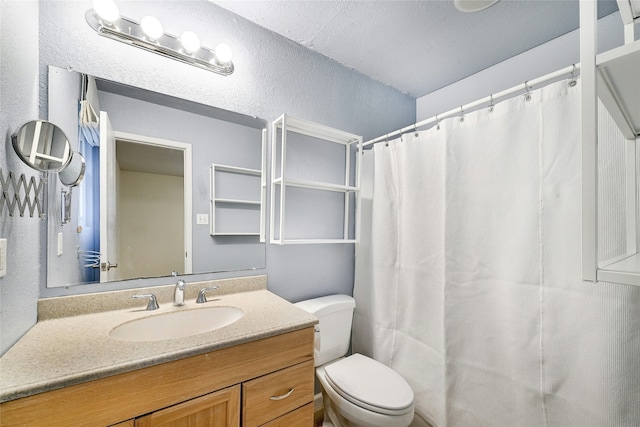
pixel 42 145
pixel 72 175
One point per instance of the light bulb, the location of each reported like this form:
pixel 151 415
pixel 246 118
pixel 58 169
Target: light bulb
pixel 190 41
pixel 223 54
pixel 151 27
pixel 107 10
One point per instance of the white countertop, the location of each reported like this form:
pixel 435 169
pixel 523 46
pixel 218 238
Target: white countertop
pixel 59 352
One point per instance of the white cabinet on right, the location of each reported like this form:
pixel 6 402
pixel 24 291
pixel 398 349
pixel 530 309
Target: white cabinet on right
pixel 618 72
pixel 315 183
pixel 610 151
pixel 618 222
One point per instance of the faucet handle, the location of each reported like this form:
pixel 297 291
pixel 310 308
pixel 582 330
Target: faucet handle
pixel 153 302
pixel 201 295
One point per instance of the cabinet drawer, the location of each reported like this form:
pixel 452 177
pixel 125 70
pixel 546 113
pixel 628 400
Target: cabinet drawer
pixel 301 417
pixel 276 394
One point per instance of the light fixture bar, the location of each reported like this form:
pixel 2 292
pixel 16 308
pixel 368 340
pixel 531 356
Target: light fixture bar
pixel 128 31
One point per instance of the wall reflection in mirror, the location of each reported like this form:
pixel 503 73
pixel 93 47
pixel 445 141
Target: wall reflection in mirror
pixel 143 207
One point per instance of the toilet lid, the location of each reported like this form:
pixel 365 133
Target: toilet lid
pixel 370 384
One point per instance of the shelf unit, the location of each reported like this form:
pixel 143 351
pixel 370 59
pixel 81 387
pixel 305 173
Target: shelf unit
pixel 612 77
pixel 238 214
pixel 300 185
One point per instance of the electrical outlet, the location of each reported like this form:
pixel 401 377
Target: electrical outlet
pixel 202 219
pixel 60 244
pixel 3 257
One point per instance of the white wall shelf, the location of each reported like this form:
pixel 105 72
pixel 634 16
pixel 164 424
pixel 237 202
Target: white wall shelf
pixel 612 77
pixel 625 271
pixel 314 197
pixel 619 86
pixel 236 201
pixel 317 185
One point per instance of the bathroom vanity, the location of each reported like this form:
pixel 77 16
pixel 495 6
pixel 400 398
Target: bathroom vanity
pixel 257 371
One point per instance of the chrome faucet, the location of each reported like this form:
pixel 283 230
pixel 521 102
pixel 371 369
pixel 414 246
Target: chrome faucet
pixel 153 302
pixel 202 298
pixel 178 294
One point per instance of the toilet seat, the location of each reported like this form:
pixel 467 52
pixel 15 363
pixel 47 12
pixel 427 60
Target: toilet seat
pixel 369 384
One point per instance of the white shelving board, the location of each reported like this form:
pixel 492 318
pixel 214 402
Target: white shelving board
pixel 316 185
pixel 619 86
pixel 625 271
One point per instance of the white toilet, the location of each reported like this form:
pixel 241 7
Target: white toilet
pixel 356 390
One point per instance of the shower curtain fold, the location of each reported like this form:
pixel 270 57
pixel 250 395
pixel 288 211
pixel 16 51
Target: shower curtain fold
pixel 492 264
pixel 468 273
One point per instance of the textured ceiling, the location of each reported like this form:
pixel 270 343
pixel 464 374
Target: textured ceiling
pixel 415 46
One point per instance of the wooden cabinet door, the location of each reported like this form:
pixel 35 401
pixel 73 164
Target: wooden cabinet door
pixel 220 408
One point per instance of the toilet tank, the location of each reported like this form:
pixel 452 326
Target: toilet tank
pixel 333 333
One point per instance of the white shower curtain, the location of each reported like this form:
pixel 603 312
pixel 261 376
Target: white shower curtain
pixel 468 277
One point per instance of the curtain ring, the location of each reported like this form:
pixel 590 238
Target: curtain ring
pixel 573 82
pixel 437 123
pixel 415 129
pixel 527 95
pixel 491 104
pixel 461 114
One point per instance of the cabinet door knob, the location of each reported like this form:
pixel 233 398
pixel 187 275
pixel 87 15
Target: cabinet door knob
pixel 284 396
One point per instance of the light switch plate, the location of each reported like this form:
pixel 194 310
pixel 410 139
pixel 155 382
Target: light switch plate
pixel 3 257
pixel 202 219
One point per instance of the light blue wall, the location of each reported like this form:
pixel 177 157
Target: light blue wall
pixel 25 235
pixel 539 61
pixel 273 76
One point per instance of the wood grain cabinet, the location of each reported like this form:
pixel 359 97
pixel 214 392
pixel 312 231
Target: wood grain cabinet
pixel 221 408
pixel 266 398
pixel 273 375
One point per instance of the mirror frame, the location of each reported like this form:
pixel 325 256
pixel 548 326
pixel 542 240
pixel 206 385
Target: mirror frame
pixel 72 175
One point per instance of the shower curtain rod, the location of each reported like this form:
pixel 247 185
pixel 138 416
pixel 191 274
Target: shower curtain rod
pixel 526 87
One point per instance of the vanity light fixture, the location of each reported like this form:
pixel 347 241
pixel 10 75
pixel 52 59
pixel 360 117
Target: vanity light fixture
pixel 149 35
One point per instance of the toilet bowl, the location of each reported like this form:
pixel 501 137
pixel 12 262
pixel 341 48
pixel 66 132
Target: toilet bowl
pixel 366 393
pixel 357 390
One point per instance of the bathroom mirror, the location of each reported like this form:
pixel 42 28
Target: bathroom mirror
pixel 42 145
pixel 163 148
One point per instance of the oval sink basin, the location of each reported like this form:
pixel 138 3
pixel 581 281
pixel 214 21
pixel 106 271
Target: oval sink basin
pixel 176 324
